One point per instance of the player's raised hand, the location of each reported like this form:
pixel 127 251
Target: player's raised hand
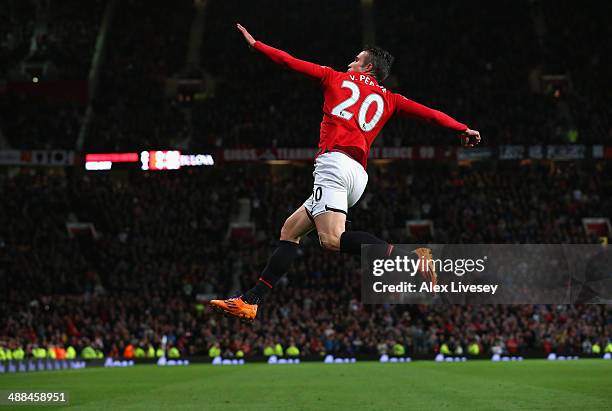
pixel 470 138
pixel 247 36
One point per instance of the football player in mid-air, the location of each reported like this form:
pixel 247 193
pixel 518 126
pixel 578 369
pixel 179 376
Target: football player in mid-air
pixel 355 109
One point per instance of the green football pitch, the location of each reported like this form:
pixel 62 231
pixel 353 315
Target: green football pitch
pixel 527 385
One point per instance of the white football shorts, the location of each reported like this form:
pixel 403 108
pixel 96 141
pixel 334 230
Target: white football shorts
pixel 339 182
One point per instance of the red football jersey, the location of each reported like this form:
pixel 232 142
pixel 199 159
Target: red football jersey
pixel 356 107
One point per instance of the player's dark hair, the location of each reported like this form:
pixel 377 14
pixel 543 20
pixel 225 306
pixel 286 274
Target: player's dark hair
pixel 381 60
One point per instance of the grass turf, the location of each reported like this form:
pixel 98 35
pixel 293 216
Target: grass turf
pixel 529 385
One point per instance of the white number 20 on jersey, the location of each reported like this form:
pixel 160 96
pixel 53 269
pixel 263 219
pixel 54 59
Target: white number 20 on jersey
pixel 340 109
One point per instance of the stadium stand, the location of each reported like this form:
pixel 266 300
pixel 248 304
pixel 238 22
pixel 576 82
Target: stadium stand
pixel 131 110
pixel 51 43
pixel 587 67
pixel 151 244
pixel 69 38
pixel 139 276
pixel 503 57
pixel 15 33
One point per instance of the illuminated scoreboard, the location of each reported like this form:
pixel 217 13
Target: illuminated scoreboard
pixel 152 160
pixel 160 160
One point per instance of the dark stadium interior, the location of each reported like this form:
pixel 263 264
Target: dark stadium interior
pixel 123 76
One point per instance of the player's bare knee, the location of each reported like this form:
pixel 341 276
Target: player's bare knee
pixel 287 234
pixel 329 242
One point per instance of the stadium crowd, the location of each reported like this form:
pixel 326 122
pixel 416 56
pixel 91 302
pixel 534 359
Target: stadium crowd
pixel 159 243
pixel 62 120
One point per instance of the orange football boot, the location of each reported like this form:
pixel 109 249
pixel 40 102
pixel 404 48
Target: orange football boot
pixel 235 307
pixel 429 272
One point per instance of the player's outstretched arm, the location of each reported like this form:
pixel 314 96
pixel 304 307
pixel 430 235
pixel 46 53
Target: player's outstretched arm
pixel 469 137
pixel 284 59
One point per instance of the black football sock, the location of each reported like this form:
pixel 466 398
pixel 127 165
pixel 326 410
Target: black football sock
pixel 279 263
pixel 351 241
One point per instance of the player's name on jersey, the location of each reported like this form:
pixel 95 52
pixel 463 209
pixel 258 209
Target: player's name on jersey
pixel 365 80
pixel 427 287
